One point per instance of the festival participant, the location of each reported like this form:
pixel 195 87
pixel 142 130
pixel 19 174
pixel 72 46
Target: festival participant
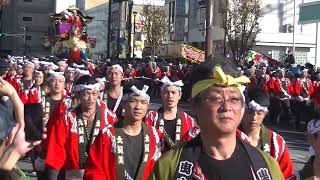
pixel 130 151
pixel 303 90
pixel 260 79
pixel 167 71
pixel 261 137
pixel 89 66
pixel 284 92
pixel 175 125
pixel 130 72
pixel 180 73
pixel 23 84
pixel 70 77
pixel 113 92
pixel 73 132
pixel 57 95
pixel 37 92
pixel 311 169
pixel 217 153
pixel 52 103
pixel 316 95
pixel 62 65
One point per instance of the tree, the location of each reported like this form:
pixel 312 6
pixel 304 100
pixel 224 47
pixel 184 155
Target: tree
pixel 241 26
pixel 4 2
pixel 154 26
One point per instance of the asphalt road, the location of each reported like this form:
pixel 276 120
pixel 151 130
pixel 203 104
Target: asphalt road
pixel 295 140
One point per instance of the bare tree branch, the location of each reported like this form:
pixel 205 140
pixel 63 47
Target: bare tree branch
pixel 241 26
pixel 154 25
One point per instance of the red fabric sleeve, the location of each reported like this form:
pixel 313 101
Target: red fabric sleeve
pixel 57 135
pixel 297 88
pixel 286 164
pixel 290 88
pixel 134 73
pixel 94 166
pixel 148 118
pixel 311 89
pixel 277 87
pixel 101 163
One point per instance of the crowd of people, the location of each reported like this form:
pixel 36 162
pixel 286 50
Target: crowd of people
pixel 92 121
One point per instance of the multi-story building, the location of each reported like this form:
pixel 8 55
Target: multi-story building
pixel 276 36
pixel 98 28
pixel 29 17
pixel 178 16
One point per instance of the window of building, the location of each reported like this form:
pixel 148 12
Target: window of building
pixel 186 24
pixel 202 15
pixel 300 57
pixel 138 36
pixel 186 10
pixel 27 18
pixel 172 11
pixel 28 38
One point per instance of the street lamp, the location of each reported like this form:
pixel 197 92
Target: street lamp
pixel 134 30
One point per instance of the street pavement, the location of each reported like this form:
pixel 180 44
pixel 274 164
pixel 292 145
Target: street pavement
pixel 296 141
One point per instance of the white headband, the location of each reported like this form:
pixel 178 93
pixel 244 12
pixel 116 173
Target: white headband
pixel 313 126
pixel 78 66
pixel 116 66
pixel 166 82
pixel 257 107
pixel 38 72
pixel 28 63
pixel 53 74
pixel 61 63
pixel 101 79
pixel 137 92
pixel 70 69
pixel 84 72
pixel 81 87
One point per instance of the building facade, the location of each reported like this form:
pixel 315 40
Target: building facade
pixel 276 36
pixel 29 19
pixel 98 28
pixel 178 20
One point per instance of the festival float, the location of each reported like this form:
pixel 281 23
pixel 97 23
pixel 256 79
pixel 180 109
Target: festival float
pixel 71 39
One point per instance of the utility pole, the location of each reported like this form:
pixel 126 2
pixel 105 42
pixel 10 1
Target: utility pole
pixel 209 26
pixel 294 26
pixel 24 39
pixel 129 30
pixel 109 28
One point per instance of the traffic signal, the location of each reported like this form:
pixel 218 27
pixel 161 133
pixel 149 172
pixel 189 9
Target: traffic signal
pixel 2 35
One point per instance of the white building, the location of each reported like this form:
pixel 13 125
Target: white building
pixel 98 29
pixel 276 36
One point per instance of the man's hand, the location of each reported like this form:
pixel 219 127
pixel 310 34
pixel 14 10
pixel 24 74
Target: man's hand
pixel 6 89
pixel 22 146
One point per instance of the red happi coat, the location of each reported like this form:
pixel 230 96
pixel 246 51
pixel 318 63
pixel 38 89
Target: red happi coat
pixel 275 145
pixel 267 85
pixel 63 138
pixel 130 73
pixel 153 73
pixel 36 95
pixel 21 89
pixel 278 89
pixel 316 94
pixel 298 87
pixel 69 89
pixel 188 126
pixel 10 79
pixel 91 68
pixel 102 160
